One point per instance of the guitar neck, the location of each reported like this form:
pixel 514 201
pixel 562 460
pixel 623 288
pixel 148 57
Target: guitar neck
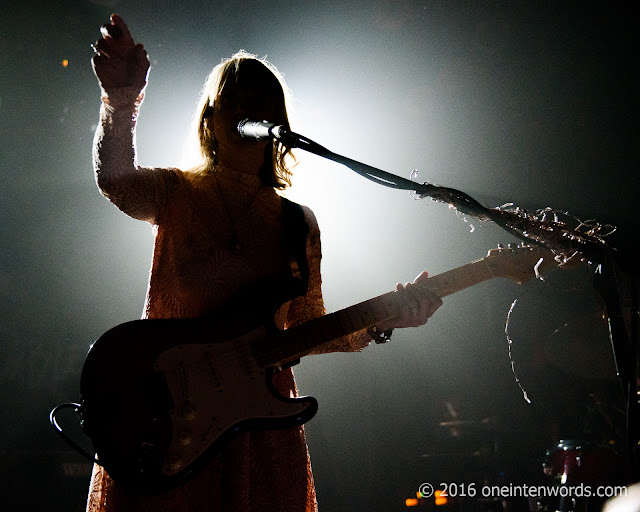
pixel 293 343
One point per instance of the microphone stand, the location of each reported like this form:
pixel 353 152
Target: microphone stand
pixel 294 140
pixel 554 234
pixel 616 282
pixel 463 202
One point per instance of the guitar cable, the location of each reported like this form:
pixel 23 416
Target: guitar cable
pixel 54 423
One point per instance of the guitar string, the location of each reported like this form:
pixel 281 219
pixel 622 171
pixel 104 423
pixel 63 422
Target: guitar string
pixel 229 352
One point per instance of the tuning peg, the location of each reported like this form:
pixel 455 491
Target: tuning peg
pixel 500 246
pixel 513 246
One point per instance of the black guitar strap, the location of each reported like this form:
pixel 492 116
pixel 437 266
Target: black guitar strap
pixel 296 230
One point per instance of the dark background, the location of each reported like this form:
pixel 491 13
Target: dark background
pixel 533 103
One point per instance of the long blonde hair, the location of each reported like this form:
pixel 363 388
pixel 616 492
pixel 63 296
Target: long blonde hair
pixel 279 159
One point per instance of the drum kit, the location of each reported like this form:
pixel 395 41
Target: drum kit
pixel 586 471
pixel 585 475
pixel 571 472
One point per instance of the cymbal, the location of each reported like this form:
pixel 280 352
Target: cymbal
pixel 489 422
pixel 582 348
pixel 452 455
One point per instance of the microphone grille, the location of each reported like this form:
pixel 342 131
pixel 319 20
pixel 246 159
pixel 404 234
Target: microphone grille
pixel 241 126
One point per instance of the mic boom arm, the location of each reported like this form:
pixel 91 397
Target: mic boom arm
pixel 539 230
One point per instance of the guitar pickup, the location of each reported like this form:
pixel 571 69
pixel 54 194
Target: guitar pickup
pixel 212 370
pixel 184 383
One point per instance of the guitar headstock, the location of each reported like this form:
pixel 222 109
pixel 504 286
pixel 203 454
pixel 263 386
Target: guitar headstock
pixel 522 263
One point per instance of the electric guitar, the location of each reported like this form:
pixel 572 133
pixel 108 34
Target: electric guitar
pixel 160 396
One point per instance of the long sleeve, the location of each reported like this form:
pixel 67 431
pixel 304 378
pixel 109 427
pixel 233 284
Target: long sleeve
pixel 138 191
pixel 311 305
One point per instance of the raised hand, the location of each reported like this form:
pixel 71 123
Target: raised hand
pixel 119 61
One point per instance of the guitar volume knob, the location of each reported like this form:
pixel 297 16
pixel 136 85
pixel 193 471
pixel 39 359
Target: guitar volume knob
pixel 189 412
pixel 185 438
pixel 174 463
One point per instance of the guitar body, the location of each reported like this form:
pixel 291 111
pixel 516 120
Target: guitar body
pixel 159 397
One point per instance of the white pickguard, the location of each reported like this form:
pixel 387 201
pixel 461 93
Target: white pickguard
pixel 214 387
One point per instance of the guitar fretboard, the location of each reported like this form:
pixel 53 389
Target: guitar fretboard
pixel 289 345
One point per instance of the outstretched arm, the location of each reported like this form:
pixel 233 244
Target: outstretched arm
pixel 121 67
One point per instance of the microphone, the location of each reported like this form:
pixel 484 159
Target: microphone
pixel 260 130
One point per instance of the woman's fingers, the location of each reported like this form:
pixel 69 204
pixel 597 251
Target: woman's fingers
pixel 116 39
pixel 101 47
pixel 416 305
pixel 419 304
pixel 110 31
pixel 424 275
pixel 116 29
pixel 121 27
pixel 119 61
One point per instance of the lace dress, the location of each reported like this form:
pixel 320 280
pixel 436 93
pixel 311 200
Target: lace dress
pixel 216 234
